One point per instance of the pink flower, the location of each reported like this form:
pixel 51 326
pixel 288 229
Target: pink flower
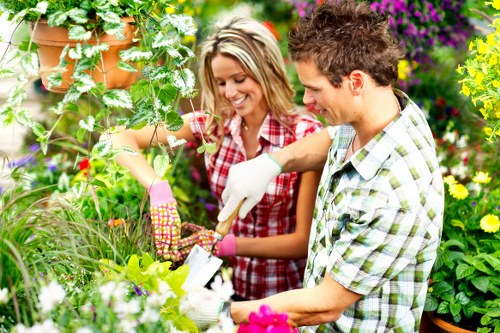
pixel 266 321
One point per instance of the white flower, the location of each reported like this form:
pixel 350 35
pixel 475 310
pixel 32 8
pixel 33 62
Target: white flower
pixel 47 326
pixel 459 171
pixel 50 296
pixel 127 308
pixel 223 289
pixel 4 295
pixel 149 315
pixel 112 289
pixel 451 137
pixel 128 325
pixel 462 141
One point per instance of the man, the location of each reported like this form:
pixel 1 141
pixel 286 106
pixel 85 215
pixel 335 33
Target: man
pixel 379 207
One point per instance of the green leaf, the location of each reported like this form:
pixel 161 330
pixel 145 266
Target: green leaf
pixel 55 80
pixel 160 164
pixel 98 183
pixel 80 135
pixel 481 283
pixel 453 242
pixel 109 16
pixel 167 94
pixel 139 90
pixel 57 18
pixel 200 149
pixel 38 129
pixel 135 54
pixel 464 270
pixel 211 147
pixel 174 121
pixel 494 312
pixel 126 67
pixel 117 98
pixel 431 304
pixel 78 15
pixel 77 32
pixel 443 308
pixel 462 298
pixel 455 309
pixel 30 64
pixel 184 24
pixel 441 287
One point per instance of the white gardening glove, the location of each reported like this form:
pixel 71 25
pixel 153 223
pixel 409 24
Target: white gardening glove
pixel 248 180
pixel 202 307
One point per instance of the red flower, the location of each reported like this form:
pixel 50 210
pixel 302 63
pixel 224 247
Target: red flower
pixel 270 26
pixel 84 164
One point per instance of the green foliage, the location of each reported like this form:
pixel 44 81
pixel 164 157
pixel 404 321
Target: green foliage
pixel 464 281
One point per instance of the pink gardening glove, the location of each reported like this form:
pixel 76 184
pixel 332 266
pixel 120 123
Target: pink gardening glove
pixel 226 247
pixel 166 221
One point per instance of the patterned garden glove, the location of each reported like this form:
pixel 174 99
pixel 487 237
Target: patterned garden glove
pixel 166 221
pixel 168 227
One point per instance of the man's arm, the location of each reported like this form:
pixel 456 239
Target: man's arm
pixel 249 180
pixel 306 154
pixel 304 307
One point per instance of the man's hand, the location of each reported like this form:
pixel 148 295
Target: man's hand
pixel 248 180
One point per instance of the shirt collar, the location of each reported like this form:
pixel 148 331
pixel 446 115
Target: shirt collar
pixel 271 130
pixel 368 160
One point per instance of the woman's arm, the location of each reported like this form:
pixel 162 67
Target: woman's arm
pixel 140 139
pixel 293 245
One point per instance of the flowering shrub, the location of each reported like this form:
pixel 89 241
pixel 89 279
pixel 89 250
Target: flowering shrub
pixel 422 24
pixel 266 321
pixel 480 76
pixel 464 285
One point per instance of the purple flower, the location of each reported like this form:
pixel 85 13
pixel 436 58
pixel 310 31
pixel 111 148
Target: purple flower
pixel 137 290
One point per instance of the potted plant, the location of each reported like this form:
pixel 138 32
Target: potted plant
pixel 158 59
pixel 464 288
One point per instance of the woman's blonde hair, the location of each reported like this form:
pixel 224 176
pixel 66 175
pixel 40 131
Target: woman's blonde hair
pixel 255 48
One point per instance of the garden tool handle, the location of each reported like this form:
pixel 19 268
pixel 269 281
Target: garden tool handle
pixel 223 227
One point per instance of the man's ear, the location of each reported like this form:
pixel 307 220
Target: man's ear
pixel 356 82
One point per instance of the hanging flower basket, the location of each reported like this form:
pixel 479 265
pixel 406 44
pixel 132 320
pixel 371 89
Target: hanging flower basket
pixel 52 40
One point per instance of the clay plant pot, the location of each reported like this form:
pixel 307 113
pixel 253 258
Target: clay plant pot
pixel 52 40
pixel 438 325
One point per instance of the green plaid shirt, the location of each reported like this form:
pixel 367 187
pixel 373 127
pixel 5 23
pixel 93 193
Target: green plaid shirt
pixel 377 224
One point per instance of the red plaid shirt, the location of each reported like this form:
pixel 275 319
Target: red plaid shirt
pixel 275 214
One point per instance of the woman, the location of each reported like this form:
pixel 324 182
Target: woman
pixel 248 111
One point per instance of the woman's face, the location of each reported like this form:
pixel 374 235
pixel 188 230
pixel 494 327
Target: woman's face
pixel 240 90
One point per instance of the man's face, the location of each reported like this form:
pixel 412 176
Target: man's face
pixel 332 103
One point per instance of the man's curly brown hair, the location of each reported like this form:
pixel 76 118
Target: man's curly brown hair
pixel 342 36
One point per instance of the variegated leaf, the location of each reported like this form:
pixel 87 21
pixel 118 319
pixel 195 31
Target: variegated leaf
pixel 78 15
pixel 160 73
pixel 162 41
pixel 92 50
pixel 184 24
pixel 72 95
pixel 58 108
pixel 83 82
pixel 109 16
pixel 102 147
pixel 19 16
pixel 63 182
pixel 118 98
pixel 87 124
pixel 135 54
pixel 17 95
pixel 128 150
pixel 126 67
pixel 78 189
pixel 173 142
pixel 172 52
pixel 184 80
pixel 114 28
pixel 11 59
pixel 75 52
pixel 189 53
pixel 7 72
pixel 55 80
pixel 23 117
pixel 30 64
pixel 77 32
pixel 41 7
pixel 57 18
pixel 160 164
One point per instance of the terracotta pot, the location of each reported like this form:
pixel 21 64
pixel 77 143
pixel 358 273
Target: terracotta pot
pixel 438 325
pixel 51 42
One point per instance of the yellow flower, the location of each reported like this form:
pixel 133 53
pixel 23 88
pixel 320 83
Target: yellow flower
pixel 496 83
pixel 479 78
pixel 471 46
pixel 465 90
pixel 404 69
pixel 490 223
pixel 487 131
pixel 490 40
pixel 450 180
pixel 482 48
pixel 481 178
pixel 458 191
pixel 170 10
pixel 493 61
pixel 496 4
